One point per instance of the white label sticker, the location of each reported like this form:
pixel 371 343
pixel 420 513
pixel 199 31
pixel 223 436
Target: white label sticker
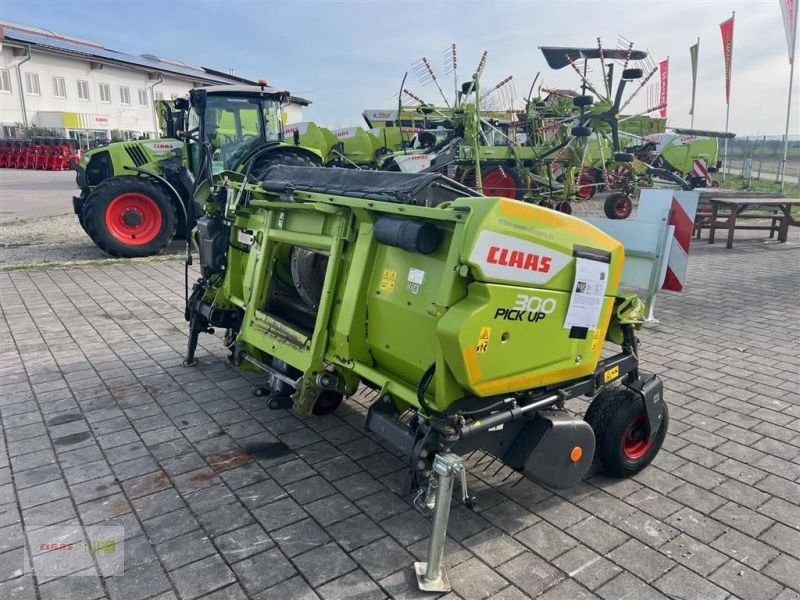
pixel 512 259
pixel 588 292
pixel 162 146
pixel 416 276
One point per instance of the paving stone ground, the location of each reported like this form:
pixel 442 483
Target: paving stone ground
pixel 220 498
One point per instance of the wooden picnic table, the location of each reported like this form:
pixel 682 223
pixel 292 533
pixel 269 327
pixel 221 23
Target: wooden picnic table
pixel 726 212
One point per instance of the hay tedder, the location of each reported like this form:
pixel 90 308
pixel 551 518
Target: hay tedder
pixel 475 319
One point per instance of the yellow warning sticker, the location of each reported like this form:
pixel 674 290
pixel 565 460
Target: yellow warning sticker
pixel 483 340
pixel 388 280
pixel 611 374
pixel 596 340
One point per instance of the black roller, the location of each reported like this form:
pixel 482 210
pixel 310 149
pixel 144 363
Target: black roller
pixel 308 274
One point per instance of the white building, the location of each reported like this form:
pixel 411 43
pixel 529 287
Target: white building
pixel 85 91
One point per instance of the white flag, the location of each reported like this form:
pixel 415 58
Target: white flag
pixel 789 10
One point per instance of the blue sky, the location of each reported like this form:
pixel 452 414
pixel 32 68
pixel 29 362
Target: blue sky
pixel 347 55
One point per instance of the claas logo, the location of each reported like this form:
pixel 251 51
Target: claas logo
pixel 518 259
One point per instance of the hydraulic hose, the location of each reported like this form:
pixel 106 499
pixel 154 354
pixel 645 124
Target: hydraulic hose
pixel 424 382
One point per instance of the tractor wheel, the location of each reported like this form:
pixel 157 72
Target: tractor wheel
pixel 624 157
pixel 618 206
pixel 632 74
pixel 327 402
pixel 622 432
pixel 545 203
pixel 581 101
pixel 586 185
pixel 502 181
pixel 130 216
pixel 279 157
pixel 580 132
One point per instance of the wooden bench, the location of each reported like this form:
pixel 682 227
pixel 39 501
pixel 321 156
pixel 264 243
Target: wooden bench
pixel 726 210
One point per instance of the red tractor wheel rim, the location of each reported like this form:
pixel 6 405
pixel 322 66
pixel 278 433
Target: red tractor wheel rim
pixel 498 182
pixel 585 187
pixel 622 206
pixel 133 219
pixel 636 442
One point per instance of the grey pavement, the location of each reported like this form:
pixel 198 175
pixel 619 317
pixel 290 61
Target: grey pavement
pixel 29 194
pixel 216 497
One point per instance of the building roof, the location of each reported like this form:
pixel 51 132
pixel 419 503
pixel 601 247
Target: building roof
pixel 49 41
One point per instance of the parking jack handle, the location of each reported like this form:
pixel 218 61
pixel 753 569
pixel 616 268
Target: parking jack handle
pixel 432 575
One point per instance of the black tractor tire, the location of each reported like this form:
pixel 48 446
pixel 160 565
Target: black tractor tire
pixel 130 216
pixel 280 157
pixel 618 206
pixel 580 132
pixel 586 184
pixel 582 101
pixel 622 433
pixel 631 74
pixel 327 402
pixel 564 207
pixel 624 157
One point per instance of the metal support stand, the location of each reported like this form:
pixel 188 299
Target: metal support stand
pixel 651 318
pixel 432 575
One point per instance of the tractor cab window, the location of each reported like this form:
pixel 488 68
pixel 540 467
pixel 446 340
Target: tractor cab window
pixel 236 125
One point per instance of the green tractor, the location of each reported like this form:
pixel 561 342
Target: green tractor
pixel 136 196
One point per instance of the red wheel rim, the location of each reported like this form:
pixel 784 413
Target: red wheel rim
pixel 622 207
pixel 498 182
pixel 585 187
pixel 636 442
pixel 133 219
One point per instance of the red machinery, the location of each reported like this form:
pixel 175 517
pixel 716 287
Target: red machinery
pixel 50 154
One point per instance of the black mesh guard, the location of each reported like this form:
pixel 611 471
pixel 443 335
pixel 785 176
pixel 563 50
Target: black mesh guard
pixel 420 189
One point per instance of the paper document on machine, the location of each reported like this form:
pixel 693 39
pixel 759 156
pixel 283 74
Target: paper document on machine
pixel 588 292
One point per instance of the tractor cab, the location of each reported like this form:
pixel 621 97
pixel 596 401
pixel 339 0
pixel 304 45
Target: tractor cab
pixel 227 122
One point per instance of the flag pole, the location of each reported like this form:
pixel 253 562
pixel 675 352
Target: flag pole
pixel 694 83
pixel 728 107
pixel 788 107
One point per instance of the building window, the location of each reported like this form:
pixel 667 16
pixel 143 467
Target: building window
pixel 32 84
pixel 159 95
pixel 142 97
pixel 59 87
pixel 125 95
pixel 5 81
pixel 105 92
pixel 83 90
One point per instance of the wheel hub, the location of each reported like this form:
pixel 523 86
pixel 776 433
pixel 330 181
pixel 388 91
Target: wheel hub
pixel 132 217
pixel 636 441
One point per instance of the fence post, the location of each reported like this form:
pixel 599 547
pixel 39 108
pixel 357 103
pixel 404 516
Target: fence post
pixel 761 155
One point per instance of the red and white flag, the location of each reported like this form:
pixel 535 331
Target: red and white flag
pixel 663 67
pixel 726 27
pixel 789 10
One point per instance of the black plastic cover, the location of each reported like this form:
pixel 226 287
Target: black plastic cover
pixel 542 449
pixel 420 189
pixel 408 234
pixel 212 243
pixel 558 58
